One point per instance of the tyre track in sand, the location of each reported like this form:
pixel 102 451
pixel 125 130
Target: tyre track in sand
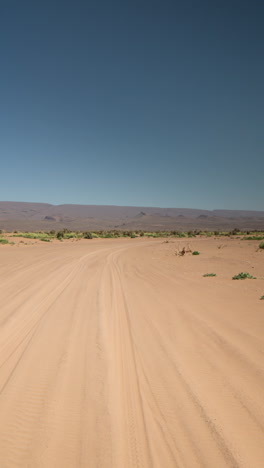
pixel 110 358
pixel 129 434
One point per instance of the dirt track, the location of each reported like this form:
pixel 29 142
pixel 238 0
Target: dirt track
pixel 117 353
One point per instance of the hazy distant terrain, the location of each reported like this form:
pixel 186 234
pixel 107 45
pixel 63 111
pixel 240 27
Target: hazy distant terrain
pixel 38 216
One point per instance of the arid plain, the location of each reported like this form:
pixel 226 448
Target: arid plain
pixel 118 353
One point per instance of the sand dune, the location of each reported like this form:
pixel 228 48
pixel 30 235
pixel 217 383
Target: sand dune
pixel 118 353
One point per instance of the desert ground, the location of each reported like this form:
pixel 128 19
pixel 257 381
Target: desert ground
pixel 118 353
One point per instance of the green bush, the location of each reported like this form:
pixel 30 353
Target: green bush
pixel 253 238
pixel 3 241
pixel 128 233
pixel 196 252
pixel 262 298
pixel 32 235
pixel 209 274
pixel 87 235
pixel 108 235
pixel 70 235
pixel 261 245
pixel 178 234
pixel 235 232
pixel 242 275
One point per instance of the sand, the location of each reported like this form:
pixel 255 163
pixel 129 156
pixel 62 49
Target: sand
pixel 118 353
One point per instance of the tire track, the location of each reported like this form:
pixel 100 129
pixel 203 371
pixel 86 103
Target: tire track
pixel 110 358
pixel 129 434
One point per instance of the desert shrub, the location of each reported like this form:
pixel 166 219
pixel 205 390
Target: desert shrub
pixel 262 298
pixel 141 234
pixel 133 236
pixel 182 252
pixel 87 235
pixel 209 274
pixel 45 239
pixel 32 235
pixel 196 252
pixel 235 231
pixel 216 233
pixel 60 235
pixel 128 233
pixel 261 245
pixel 108 235
pixel 253 238
pixel 70 235
pixel 242 275
pixel 116 233
pixel 179 234
pixel 3 241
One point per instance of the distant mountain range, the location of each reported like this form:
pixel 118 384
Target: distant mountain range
pixel 43 216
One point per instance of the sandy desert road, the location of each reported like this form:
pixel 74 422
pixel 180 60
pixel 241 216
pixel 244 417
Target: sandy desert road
pixel 114 354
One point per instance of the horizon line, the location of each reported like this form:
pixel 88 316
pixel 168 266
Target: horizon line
pixel 132 206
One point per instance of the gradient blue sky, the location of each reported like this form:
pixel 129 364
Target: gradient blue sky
pixel 151 103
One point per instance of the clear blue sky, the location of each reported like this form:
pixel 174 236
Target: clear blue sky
pixel 151 103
